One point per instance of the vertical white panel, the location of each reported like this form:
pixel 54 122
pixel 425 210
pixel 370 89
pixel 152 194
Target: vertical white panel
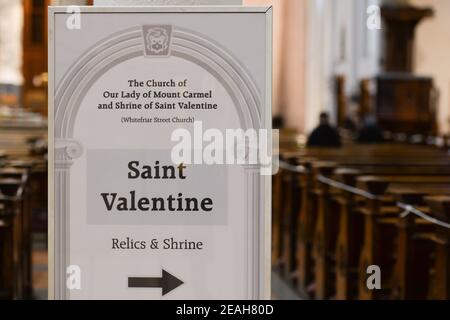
pixel 116 95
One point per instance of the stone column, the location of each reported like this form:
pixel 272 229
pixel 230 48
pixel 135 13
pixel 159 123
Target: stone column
pixel 66 151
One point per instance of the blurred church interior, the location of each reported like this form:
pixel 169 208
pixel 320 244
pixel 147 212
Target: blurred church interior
pixel 379 74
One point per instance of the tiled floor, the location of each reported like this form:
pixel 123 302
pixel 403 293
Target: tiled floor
pixel 282 291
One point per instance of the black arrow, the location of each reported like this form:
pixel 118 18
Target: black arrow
pixel 167 282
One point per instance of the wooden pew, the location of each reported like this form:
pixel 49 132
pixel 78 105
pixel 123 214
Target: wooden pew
pixel 349 239
pixel 290 222
pixel 410 279
pixel 23 186
pixel 277 190
pixel 347 242
pixel 440 284
pixel 427 165
pixel 16 199
pixel 305 236
pixel 282 189
pixel 351 227
pixel 325 234
pixel 11 199
pixel 382 228
pixel 22 175
pixel 5 254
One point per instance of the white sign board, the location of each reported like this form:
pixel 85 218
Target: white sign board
pixel 166 2
pixel 144 102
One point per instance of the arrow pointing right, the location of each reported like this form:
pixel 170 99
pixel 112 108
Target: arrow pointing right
pixel 167 282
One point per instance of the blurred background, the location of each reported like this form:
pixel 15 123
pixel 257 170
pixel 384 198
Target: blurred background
pixel 370 70
pixel 326 48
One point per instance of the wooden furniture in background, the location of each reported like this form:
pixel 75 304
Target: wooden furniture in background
pixel 365 100
pixel 23 196
pixel 440 287
pixel 404 101
pixel 341 100
pixel 401 22
pixel 339 233
pixel 404 104
pixel 35 54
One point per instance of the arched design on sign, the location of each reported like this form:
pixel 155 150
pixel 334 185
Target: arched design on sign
pixel 128 45
pixel 94 63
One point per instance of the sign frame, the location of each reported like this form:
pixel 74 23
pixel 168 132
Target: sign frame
pixel 264 233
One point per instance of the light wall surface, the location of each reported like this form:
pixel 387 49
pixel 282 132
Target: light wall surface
pixel 432 55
